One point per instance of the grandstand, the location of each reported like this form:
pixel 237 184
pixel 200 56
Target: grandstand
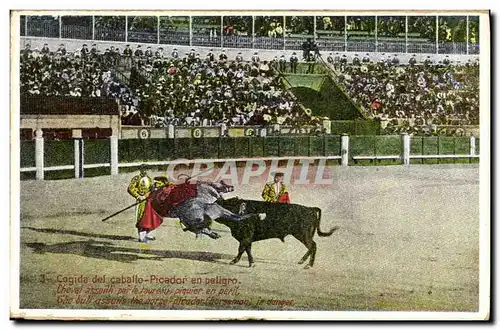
pixel 212 90
pixel 230 76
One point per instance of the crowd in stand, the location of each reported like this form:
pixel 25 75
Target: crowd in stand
pixel 214 90
pixel 412 97
pixel 190 90
pixel 170 89
pixel 83 73
pixel 49 73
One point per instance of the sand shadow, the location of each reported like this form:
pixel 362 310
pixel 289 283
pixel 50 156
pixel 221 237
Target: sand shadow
pixel 88 248
pixel 80 233
pixel 107 251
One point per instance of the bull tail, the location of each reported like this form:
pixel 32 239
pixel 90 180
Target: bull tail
pixel 318 220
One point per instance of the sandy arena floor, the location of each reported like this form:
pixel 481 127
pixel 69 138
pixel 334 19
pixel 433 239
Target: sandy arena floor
pixel 409 240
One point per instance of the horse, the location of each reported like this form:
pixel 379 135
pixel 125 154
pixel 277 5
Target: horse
pixel 196 205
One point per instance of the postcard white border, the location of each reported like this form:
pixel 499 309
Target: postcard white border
pixel 64 314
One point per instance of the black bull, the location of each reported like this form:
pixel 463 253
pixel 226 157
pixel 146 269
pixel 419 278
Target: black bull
pixel 281 220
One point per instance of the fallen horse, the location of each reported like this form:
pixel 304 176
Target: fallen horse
pixel 195 204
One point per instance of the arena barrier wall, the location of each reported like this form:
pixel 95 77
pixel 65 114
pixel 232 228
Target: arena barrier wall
pixel 81 158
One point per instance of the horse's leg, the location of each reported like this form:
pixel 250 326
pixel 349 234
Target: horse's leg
pixel 206 228
pixel 209 233
pixel 191 216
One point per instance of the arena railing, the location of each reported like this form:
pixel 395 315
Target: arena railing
pixel 174 37
pixel 143 37
pixel 206 40
pixel 106 157
pixel 237 41
pixel 43 29
pixel 346 39
pixel 105 34
pixel 76 32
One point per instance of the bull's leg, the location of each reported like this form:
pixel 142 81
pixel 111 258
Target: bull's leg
pixel 248 249
pixel 313 254
pixel 304 258
pixel 241 249
pixel 303 241
pixel 311 249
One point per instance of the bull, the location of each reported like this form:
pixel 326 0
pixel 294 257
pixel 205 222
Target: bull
pixel 281 220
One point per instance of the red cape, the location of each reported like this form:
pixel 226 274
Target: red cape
pixel 165 199
pixel 285 199
pixel 150 219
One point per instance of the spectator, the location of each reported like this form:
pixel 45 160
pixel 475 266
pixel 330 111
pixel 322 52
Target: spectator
pixel 114 51
pixel 94 51
pixel 239 58
pixel 159 53
pixel 216 93
pixel 312 64
pixel 26 52
pixel 329 59
pixel 223 56
pixel 66 75
pixel 306 50
pixel 356 60
pixel 138 52
pixel 264 68
pixel 175 53
pixel 191 55
pixel 61 50
pixel 196 91
pixel 210 56
pixel 127 51
pixel 293 62
pixel 395 60
pixel 149 52
pixel 255 58
pixel 282 63
pixel 45 49
pixel 171 70
pixel 84 51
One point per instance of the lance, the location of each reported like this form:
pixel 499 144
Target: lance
pixel 122 210
pixel 193 176
pixel 139 202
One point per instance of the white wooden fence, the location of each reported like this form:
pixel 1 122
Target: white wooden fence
pixel 79 163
